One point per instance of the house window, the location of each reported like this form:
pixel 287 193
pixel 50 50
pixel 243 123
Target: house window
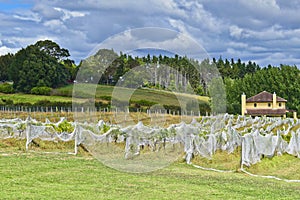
pixel 269 104
pixel 279 104
pixel 255 105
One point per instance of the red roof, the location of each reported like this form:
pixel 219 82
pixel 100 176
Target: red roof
pixel 266 111
pixel 264 97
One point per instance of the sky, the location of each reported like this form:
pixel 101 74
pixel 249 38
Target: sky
pixel 263 31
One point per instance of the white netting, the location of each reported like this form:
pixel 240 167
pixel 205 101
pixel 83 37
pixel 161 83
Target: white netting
pixel 293 147
pixel 257 137
pixel 14 128
pixel 46 131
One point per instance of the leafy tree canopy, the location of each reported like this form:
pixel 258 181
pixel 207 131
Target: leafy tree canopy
pixel 39 65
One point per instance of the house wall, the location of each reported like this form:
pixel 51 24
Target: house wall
pixel 261 105
pixel 282 105
pixel 264 105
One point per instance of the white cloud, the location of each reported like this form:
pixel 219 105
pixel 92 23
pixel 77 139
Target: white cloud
pixel 262 6
pixel 172 41
pixel 250 30
pixel 53 23
pixel 5 50
pixel 238 44
pixel 257 49
pixel 70 14
pixel 178 25
pixel 235 31
pixel 275 58
pixel 28 17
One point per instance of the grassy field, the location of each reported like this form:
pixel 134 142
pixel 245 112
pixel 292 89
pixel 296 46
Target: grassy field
pixel 158 96
pixel 103 93
pixel 47 174
pixel 29 98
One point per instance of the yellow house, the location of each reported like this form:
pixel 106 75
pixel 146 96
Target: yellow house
pixel 264 103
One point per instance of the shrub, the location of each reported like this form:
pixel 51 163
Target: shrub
pixel 47 103
pixel 65 126
pixel 143 102
pixel 172 108
pixel 107 98
pixel 7 101
pixel 6 88
pixel 44 103
pixel 25 104
pixel 41 90
pixel 204 108
pixel 99 104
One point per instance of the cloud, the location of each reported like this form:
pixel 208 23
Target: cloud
pixel 250 30
pixel 5 50
pixel 27 16
pixel 170 41
pixel 235 31
pixel 47 12
pixel 67 14
pixel 264 6
pixel 54 24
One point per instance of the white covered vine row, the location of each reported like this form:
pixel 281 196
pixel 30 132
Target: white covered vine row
pixel 257 137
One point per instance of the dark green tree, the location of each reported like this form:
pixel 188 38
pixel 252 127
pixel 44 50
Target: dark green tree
pixel 39 65
pixel 5 62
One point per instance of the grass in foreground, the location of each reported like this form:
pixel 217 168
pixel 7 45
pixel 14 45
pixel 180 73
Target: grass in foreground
pixel 41 175
pixel 61 176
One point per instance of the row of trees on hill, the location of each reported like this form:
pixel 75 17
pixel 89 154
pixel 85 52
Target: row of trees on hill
pixel 235 70
pixel 172 73
pixel 45 63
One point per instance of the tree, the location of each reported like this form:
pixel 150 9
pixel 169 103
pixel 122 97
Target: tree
pixel 52 49
pixel 5 62
pixel 39 65
pixel 98 67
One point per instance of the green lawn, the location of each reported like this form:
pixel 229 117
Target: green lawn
pixel 64 94
pixel 40 175
pixel 29 98
pixel 158 96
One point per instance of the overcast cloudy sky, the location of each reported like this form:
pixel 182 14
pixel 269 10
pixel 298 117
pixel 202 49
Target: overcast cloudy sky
pixel 264 31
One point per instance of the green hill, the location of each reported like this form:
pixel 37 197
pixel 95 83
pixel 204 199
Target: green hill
pixel 103 94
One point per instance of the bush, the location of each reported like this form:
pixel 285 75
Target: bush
pixel 41 90
pixel 143 102
pixel 204 107
pixel 8 102
pixel 65 126
pixel 44 103
pixel 24 104
pixel 107 98
pixel 6 88
pixel 58 104
pixel 172 108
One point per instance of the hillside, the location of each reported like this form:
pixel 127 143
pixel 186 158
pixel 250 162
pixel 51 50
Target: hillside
pixel 139 97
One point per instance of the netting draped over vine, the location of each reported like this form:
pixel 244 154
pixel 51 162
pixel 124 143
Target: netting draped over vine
pixel 257 137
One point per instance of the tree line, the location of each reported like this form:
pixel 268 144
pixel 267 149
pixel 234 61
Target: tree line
pixel 46 64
